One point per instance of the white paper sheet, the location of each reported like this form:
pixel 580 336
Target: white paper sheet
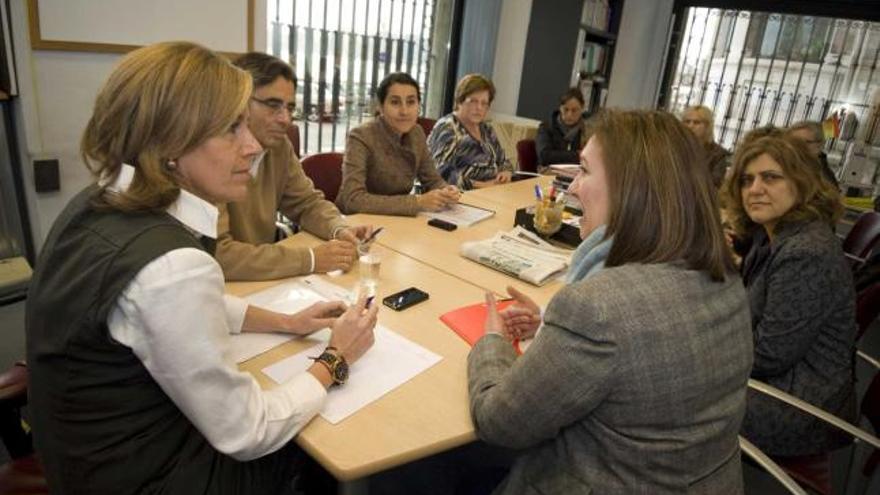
pixel 392 361
pixel 288 297
pixel 461 214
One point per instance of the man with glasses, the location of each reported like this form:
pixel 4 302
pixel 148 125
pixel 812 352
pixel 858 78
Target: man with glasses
pixel 246 247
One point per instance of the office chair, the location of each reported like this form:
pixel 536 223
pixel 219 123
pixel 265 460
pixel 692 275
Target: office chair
pixel 773 469
pixel 814 471
pixel 427 124
pixel 23 475
pixel 527 155
pixel 862 238
pixel 293 136
pixel 325 170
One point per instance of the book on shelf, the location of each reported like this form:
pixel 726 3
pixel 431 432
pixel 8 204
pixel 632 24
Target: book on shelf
pixel 593 58
pixel 596 14
pixel 519 253
pixel 564 171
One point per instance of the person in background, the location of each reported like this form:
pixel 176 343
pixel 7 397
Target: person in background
pixel 800 292
pixel 464 145
pixel 385 156
pixel 246 247
pixel 608 397
pixel 128 328
pixel 812 134
pixel 561 138
pixel 700 120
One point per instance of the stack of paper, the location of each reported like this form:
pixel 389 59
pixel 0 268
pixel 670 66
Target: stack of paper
pixel 391 362
pixel 287 297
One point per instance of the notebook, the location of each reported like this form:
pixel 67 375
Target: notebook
pixel 461 214
pixel 469 321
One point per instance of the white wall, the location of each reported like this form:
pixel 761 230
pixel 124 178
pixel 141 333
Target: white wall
pixel 510 51
pixel 638 58
pixel 57 90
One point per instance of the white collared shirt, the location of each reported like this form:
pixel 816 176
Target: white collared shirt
pixel 177 320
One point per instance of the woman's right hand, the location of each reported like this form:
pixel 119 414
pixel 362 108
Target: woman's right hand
pixel 434 200
pixel 521 319
pixel 352 333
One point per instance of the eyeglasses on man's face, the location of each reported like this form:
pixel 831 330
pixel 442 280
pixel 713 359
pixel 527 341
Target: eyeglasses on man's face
pixel 277 106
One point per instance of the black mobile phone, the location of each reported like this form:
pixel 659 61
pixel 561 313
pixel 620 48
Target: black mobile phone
pixel 405 298
pixel 442 224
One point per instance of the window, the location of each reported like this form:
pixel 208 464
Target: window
pixel 341 49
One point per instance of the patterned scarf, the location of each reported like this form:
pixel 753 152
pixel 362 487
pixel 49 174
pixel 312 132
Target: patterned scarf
pixel 590 255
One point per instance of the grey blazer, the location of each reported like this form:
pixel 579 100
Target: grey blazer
pixel 635 384
pixel 803 320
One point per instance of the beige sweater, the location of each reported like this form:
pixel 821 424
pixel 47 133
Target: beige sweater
pixel 246 247
pixel 379 169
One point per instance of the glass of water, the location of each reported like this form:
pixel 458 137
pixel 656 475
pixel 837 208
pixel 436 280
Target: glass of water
pixel 370 264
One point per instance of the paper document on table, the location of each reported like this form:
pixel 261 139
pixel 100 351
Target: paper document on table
pixel 461 214
pixel 392 361
pixel 520 253
pixel 287 297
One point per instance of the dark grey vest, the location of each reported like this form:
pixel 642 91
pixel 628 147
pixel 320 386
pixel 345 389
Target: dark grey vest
pixel 102 425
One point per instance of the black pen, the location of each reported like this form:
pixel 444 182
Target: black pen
pixel 372 236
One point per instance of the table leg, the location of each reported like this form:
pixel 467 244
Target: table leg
pixel 354 487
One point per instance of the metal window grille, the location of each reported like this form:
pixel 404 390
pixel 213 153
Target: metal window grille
pixel 340 50
pixel 760 68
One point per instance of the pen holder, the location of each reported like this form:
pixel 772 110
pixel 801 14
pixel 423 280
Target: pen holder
pixel 548 216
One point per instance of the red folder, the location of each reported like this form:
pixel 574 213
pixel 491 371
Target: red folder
pixel 469 321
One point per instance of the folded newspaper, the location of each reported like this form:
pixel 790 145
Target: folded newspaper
pixel 519 253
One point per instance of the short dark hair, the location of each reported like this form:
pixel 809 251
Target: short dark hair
pixel 396 78
pixel 265 68
pixel 572 94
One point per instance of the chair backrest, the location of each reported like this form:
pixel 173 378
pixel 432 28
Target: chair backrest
pixel 527 155
pixel 293 136
pixel 864 235
pixel 871 411
pixel 427 124
pixel 771 467
pixel 325 170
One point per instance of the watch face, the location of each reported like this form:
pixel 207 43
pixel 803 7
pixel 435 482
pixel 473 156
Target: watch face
pixel 340 375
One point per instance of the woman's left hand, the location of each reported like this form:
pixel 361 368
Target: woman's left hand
pixel 503 177
pixel 315 317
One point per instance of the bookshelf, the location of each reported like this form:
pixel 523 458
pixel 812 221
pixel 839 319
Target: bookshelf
pixel 597 38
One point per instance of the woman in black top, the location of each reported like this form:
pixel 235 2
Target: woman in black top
pixel 561 139
pixel 800 292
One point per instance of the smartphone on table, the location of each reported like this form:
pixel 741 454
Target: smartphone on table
pixel 405 298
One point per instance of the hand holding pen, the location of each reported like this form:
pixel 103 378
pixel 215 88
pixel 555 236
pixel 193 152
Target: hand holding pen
pixel 364 245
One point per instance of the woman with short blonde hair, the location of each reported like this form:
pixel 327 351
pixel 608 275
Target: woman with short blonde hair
pixel 154 108
pixel 701 121
pixel 464 146
pixel 128 327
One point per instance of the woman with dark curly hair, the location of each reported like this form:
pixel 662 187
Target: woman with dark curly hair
pixel 800 291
